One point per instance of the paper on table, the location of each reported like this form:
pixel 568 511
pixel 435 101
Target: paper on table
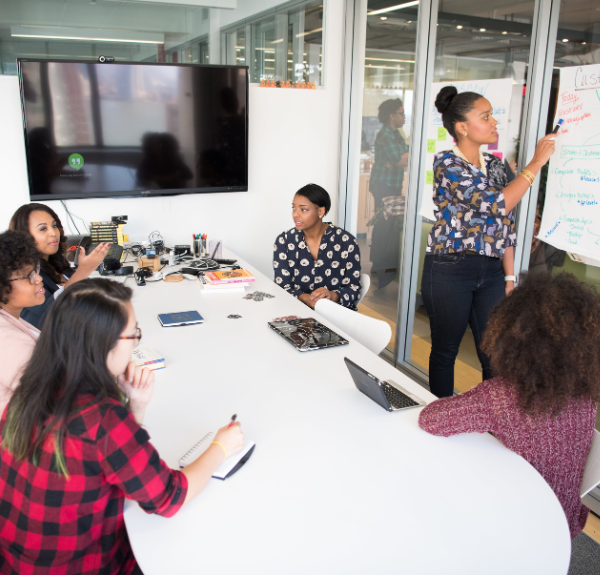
pixel 227 466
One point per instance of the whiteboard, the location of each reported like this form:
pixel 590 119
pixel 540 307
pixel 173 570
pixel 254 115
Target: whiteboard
pixel 571 217
pixel 499 93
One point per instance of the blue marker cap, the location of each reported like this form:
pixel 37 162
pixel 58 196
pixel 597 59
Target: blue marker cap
pixel 557 127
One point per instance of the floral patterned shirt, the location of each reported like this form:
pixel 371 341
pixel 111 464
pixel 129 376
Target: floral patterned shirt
pixel 337 267
pixel 469 208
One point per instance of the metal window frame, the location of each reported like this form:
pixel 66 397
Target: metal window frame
pixel 541 85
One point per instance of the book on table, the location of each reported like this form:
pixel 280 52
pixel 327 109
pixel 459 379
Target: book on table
pixel 229 277
pixel 207 287
pixel 149 358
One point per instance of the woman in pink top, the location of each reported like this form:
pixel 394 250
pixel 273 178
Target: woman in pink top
pixel 544 345
pixel 20 287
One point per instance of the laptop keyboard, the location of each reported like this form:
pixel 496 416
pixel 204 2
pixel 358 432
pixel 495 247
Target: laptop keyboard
pixel 396 398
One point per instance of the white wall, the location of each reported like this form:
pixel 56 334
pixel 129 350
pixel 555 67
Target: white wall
pixel 294 140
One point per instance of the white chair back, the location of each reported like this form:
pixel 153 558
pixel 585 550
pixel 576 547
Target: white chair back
pixel 365 284
pixel 591 476
pixel 373 333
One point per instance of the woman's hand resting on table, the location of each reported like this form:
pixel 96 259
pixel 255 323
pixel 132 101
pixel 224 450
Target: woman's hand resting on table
pixel 310 299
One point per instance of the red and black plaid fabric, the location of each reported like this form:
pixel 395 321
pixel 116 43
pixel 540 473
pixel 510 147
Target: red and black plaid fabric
pixel 57 525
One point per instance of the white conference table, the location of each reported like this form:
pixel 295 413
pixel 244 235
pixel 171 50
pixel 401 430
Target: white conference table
pixel 336 484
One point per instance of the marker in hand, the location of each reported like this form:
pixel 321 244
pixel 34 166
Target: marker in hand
pixel 557 127
pixel 233 418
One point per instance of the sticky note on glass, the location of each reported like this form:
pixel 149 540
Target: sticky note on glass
pixel 431 146
pixel 442 134
pixel 429 177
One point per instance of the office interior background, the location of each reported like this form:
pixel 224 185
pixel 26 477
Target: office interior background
pixel 358 53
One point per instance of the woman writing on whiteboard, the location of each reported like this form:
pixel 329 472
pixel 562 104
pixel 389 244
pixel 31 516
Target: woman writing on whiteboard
pixel 73 446
pixel 469 261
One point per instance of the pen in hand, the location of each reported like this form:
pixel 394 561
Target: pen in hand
pixel 233 418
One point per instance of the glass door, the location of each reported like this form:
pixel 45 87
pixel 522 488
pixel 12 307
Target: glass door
pixel 385 143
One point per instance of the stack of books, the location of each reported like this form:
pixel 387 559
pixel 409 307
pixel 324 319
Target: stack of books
pixel 149 358
pixel 233 281
pixel 110 232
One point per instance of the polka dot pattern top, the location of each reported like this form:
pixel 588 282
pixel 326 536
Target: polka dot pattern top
pixel 337 266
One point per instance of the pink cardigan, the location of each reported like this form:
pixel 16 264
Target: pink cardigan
pixel 557 447
pixel 17 341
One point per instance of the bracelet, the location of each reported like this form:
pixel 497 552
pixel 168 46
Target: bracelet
pixel 529 176
pixel 510 279
pixel 222 447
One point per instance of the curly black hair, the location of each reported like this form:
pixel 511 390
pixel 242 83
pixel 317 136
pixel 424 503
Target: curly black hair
pixel 387 108
pixel 17 251
pixel 57 263
pixel 545 340
pixel 454 107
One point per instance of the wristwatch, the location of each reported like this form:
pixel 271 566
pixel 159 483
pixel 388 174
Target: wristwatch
pixel 510 279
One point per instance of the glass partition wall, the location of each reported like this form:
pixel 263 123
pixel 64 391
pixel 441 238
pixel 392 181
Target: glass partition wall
pixel 409 51
pixel 387 101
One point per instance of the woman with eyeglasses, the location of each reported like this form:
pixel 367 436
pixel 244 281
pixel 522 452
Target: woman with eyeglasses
pixel 20 287
pixel 73 446
pixel 44 226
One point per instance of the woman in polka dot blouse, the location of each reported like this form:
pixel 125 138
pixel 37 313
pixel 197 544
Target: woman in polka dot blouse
pixel 314 259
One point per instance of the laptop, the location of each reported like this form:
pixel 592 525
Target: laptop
pixel 389 394
pixel 307 334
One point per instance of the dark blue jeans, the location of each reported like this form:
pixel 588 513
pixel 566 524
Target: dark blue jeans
pixel 458 289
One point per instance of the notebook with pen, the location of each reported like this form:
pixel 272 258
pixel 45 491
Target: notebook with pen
pixel 232 464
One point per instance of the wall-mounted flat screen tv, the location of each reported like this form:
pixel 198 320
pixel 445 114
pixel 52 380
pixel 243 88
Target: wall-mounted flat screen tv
pixel 133 129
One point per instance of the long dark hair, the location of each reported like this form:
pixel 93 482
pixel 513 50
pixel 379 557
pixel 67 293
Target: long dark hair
pixel 57 263
pixel 544 339
pixel 454 107
pixel 69 360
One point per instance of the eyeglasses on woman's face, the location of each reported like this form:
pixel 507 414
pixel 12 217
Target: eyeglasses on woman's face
pixel 31 276
pixel 137 336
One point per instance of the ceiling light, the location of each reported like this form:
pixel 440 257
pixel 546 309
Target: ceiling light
pixel 583 43
pixel 276 41
pixel 86 34
pixel 392 8
pixel 482 29
pixel 459 27
pixel 504 32
pixel 565 39
pixel 383 17
pixel 309 32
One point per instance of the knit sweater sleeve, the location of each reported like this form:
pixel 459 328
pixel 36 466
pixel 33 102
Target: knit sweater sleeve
pixel 469 412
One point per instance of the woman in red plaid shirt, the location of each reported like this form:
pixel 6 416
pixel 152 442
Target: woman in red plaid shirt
pixel 73 447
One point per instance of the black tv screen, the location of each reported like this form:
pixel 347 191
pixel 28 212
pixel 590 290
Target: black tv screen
pixel 135 129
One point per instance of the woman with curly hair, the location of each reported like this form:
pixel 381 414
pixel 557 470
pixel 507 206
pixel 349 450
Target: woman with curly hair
pixel 20 287
pixel 544 347
pixel 43 225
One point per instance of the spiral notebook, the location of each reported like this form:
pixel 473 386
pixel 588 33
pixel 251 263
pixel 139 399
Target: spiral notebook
pixel 232 464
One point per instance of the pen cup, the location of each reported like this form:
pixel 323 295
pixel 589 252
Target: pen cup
pixel 214 249
pixel 204 248
pixel 197 248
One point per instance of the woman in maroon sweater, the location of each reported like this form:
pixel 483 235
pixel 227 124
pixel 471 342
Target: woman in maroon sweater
pixel 544 345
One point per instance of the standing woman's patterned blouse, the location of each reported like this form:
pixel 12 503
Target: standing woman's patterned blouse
pixel 337 267
pixel 469 208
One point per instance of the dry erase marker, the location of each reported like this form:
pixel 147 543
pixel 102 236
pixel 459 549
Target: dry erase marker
pixel 233 418
pixel 557 127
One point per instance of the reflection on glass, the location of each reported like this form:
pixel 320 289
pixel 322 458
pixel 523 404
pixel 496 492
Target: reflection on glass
pixel 385 139
pixel 102 129
pixel 485 52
